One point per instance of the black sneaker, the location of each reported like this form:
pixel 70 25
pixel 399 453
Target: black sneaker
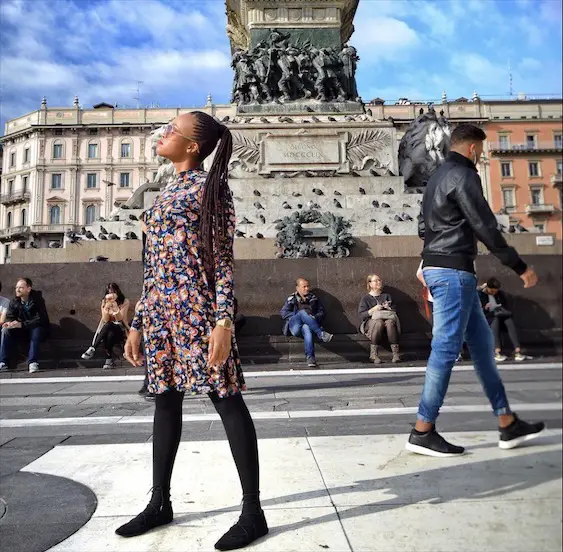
pixel 311 362
pixel 519 432
pixel 142 391
pixel 432 444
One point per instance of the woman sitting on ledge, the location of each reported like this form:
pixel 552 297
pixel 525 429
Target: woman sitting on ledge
pixel 378 316
pixel 113 326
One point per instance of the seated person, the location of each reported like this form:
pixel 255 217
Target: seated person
pixel 378 316
pixel 26 317
pixel 303 314
pixel 497 310
pixel 113 326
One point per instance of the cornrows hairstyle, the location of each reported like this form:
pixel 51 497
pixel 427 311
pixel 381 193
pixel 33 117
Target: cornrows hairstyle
pixel 216 193
pixel 466 132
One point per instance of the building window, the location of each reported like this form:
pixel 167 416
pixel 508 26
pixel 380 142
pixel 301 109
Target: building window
pixel 126 149
pixel 9 220
pixel 56 181
pixel 92 151
pixel 154 175
pixel 558 141
pixel 57 151
pixel 533 168
pixel 24 182
pixel 124 180
pixel 503 142
pixel 537 196
pixel 506 169
pixel 55 215
pixel 26 155
pixel 58 132
pixel 91 180
pixel 23 217
pixel 93 131
pixel 508 198
pixel 90 214
pixel 559 166
pixel 12 159
pixel 531 141
pixel 10 187
pixel 540 227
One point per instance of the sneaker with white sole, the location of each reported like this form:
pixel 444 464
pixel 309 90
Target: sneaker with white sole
pixel 109 364
pixel 90 351
pixel 326 337
pixel 33 367
pixel 499 357
pixel 432 444
pixel 311 362
pixel 520 357
pixel 519 432
pixel 3 367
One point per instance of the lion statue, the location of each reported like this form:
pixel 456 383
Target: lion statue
pixel 423 147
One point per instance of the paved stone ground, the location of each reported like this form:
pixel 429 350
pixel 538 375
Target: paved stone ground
pixel 334 471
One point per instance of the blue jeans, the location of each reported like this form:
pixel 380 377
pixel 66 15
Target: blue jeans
pixel 10 337
pixel 458 317
pixel 303 324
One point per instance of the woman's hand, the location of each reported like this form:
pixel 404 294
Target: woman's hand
pixel 133 352
pixel 219 346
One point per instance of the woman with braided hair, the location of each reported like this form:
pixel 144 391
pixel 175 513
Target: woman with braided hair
pixel 186 316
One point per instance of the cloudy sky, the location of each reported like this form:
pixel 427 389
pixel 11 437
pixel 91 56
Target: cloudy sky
pixel 99 49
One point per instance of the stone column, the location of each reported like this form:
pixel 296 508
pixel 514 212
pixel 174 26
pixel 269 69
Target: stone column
pixel 39 190
pixel 73 195
pixel 107 200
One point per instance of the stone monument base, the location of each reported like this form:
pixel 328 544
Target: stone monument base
pixel 305 107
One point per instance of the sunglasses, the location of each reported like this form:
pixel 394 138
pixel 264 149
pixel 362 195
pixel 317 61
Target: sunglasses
pixel 170 128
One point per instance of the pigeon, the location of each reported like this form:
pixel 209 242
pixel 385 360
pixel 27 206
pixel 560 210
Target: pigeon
pixel 309 109
pixel 386 230
pixel 54 244
pixel 264 120
pixel 131 236
pixel 373 172
pixel 246 221
pixel 285 119
pixel 247 120
pixel 313 205
pixel 33 245
pixel 112 236
pixel 332 119
pixel 354 173
pixel 336 192
pixel 256 193
pixel 385 206
pixel 337 203
pixel 372 220
pixel 101 258
pixel 362 191
pixel 406 206
pixel 296 194
pixel 375 203
pixel 103 230
pixel 315 119
pixel 318 192
pixel 277 220
pixel 117 204
pixel 102 219
pixel 369 112
pixel 300 205
pixel 83 230
pixel 406 216
pixel 262 219
pixel 260 236
pixel 225 119
pixel 115 218
pixel 397 218
pixel 389 191
pixel 419 201
pixel 305 121
pixel 349 118
pixel 286 205
pixel 102 236
pixel 128 223
pixel 89 235
pixel 240 234
pixel 125 207
pixel 133 217
pixel 258 205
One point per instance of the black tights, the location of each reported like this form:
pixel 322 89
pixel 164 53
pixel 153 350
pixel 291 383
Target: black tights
pixel 240 433
pixel 110 334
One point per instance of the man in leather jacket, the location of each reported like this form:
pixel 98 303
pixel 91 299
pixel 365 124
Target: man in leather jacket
pixel 454 215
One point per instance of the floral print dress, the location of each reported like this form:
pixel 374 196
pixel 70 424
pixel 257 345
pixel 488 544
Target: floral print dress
pixel 178 308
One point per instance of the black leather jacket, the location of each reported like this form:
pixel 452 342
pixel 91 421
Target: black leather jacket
pixel 455 214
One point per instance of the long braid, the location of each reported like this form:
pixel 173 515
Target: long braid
pixel 216 193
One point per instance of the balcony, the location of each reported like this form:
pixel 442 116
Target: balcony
pixel 518 148
pixel 14 233
pixel 540 209
pixel 20 196
pixel 53 228
pixel 557 180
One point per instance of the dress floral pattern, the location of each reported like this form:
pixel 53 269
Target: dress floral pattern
pixel 178 308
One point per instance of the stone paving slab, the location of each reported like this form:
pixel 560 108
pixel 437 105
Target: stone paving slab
pixel 360 493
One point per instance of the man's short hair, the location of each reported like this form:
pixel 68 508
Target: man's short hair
pixel 493 283
pixel 27 281
pixel 300 279
pixel 466 132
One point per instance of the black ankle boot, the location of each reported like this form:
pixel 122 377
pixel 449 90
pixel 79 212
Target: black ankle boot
pixel 157 513
pixel 246 530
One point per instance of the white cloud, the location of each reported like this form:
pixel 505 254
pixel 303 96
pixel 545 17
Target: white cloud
pixel 383 38
pixel 530 64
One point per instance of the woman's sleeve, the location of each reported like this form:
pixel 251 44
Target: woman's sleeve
pixel 224 261
pixel 363 309
pixel 148 281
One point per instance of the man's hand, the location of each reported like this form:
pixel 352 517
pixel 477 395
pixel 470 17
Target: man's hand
pixel 14 324
pixel 219 346
pixel 133 352
pixel 530 278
